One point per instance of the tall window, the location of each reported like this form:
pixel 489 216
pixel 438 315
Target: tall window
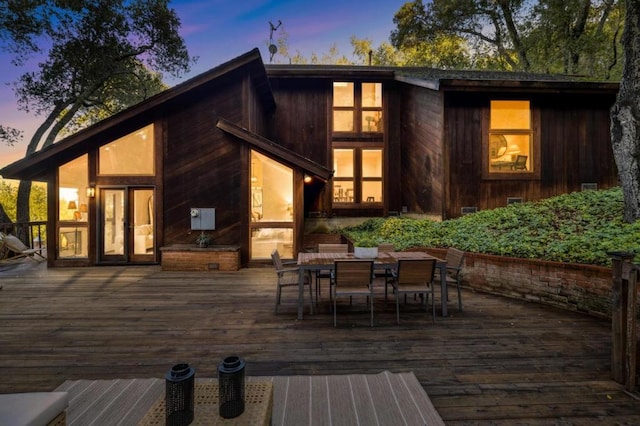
pixel 271 207
pixel 510 137
pixel 73 230
pixel 357 175
pixel 357 107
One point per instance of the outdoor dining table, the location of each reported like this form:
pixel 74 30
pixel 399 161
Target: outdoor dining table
pixel 386 259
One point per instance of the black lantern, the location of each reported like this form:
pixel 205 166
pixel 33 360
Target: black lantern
pixel 231 387
pixel 179 395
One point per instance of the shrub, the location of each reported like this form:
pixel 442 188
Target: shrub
pixel 580 227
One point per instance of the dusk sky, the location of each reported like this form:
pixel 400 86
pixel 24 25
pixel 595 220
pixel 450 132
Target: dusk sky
pixel 216 31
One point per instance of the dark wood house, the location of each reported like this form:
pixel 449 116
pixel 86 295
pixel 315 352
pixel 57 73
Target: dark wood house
pixel 260 149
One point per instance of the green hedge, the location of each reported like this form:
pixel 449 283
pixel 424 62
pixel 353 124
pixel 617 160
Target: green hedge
pixel 580 227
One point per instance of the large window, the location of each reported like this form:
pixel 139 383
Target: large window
pixel 131 155
pixel 73 211
pixel 357 175
pixel 272 208
pixel 357 107
pixel 510 137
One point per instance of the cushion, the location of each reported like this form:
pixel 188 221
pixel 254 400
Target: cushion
pixel 33 408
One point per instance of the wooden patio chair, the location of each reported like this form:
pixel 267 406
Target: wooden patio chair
pixel 320 274
pixel 288 276
pixel 414 276
pixel 455 261
pixel 352 278
pixel 14 250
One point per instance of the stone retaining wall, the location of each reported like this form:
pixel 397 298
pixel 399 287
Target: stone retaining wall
pixel 576 287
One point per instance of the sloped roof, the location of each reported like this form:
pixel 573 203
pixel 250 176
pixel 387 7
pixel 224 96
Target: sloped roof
pixel 440 79
pixel 35 166
pixel 276 150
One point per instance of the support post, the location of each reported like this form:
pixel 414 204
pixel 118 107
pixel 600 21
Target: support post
pixel 623 319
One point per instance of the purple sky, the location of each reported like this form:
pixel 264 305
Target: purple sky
pixel 216 31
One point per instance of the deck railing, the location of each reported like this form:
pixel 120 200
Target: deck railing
pixel 33 234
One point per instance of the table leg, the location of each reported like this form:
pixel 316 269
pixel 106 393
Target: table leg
pixel 301 292
pixel 443 289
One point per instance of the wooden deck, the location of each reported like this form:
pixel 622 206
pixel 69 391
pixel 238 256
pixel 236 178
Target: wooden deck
pixel 500 362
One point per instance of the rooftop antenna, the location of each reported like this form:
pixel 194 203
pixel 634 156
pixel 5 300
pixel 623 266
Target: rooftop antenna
pixel 273 49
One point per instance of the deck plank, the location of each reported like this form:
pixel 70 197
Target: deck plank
pixel 500 361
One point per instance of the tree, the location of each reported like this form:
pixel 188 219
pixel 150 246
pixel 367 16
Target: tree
pixel 548 35
pixel 625 115
pixel 10 135
pixel 367 54
pixel 575 37
pixel 101 57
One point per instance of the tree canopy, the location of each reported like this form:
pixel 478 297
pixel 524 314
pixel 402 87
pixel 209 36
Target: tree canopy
pixel 97 55
pixel 552 36
pixel 97 58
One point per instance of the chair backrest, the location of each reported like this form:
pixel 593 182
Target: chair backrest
pixel 353 272
pixel 277 261
pixel 333 248
pixel 386 247
pixel 416 271
pixel 454 257
pixel 521 162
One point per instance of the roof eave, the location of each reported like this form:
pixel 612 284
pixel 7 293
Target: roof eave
pixel 24 169
pixel 275 150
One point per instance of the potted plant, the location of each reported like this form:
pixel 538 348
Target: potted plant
pixel 203 240
pixel 365 247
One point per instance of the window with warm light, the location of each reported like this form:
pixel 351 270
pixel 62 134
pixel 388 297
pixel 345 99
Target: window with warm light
pixel 73 211
pixel 357 175
pixel 132 154
pixel 357 107
pixel 510 137
pixel 271 207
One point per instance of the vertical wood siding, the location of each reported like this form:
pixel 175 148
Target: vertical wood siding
pixel 422 163
pixel 204 166
pixel 575 148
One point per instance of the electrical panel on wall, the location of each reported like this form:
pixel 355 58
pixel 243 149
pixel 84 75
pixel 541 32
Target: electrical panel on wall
pixel 203 219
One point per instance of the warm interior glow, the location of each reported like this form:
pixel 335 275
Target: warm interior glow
pixel 343 163
pixel 510 115
pixel 132 154
pixel 271 201
pixel 510 137
pixel 372 163
pixel 372 95
pixel 343 94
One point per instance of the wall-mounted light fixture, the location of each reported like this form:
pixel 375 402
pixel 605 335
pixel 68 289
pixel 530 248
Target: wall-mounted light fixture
pixel 307 179
pixel 91 191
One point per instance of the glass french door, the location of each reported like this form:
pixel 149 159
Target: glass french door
pixel 126 225
pixel 271 207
